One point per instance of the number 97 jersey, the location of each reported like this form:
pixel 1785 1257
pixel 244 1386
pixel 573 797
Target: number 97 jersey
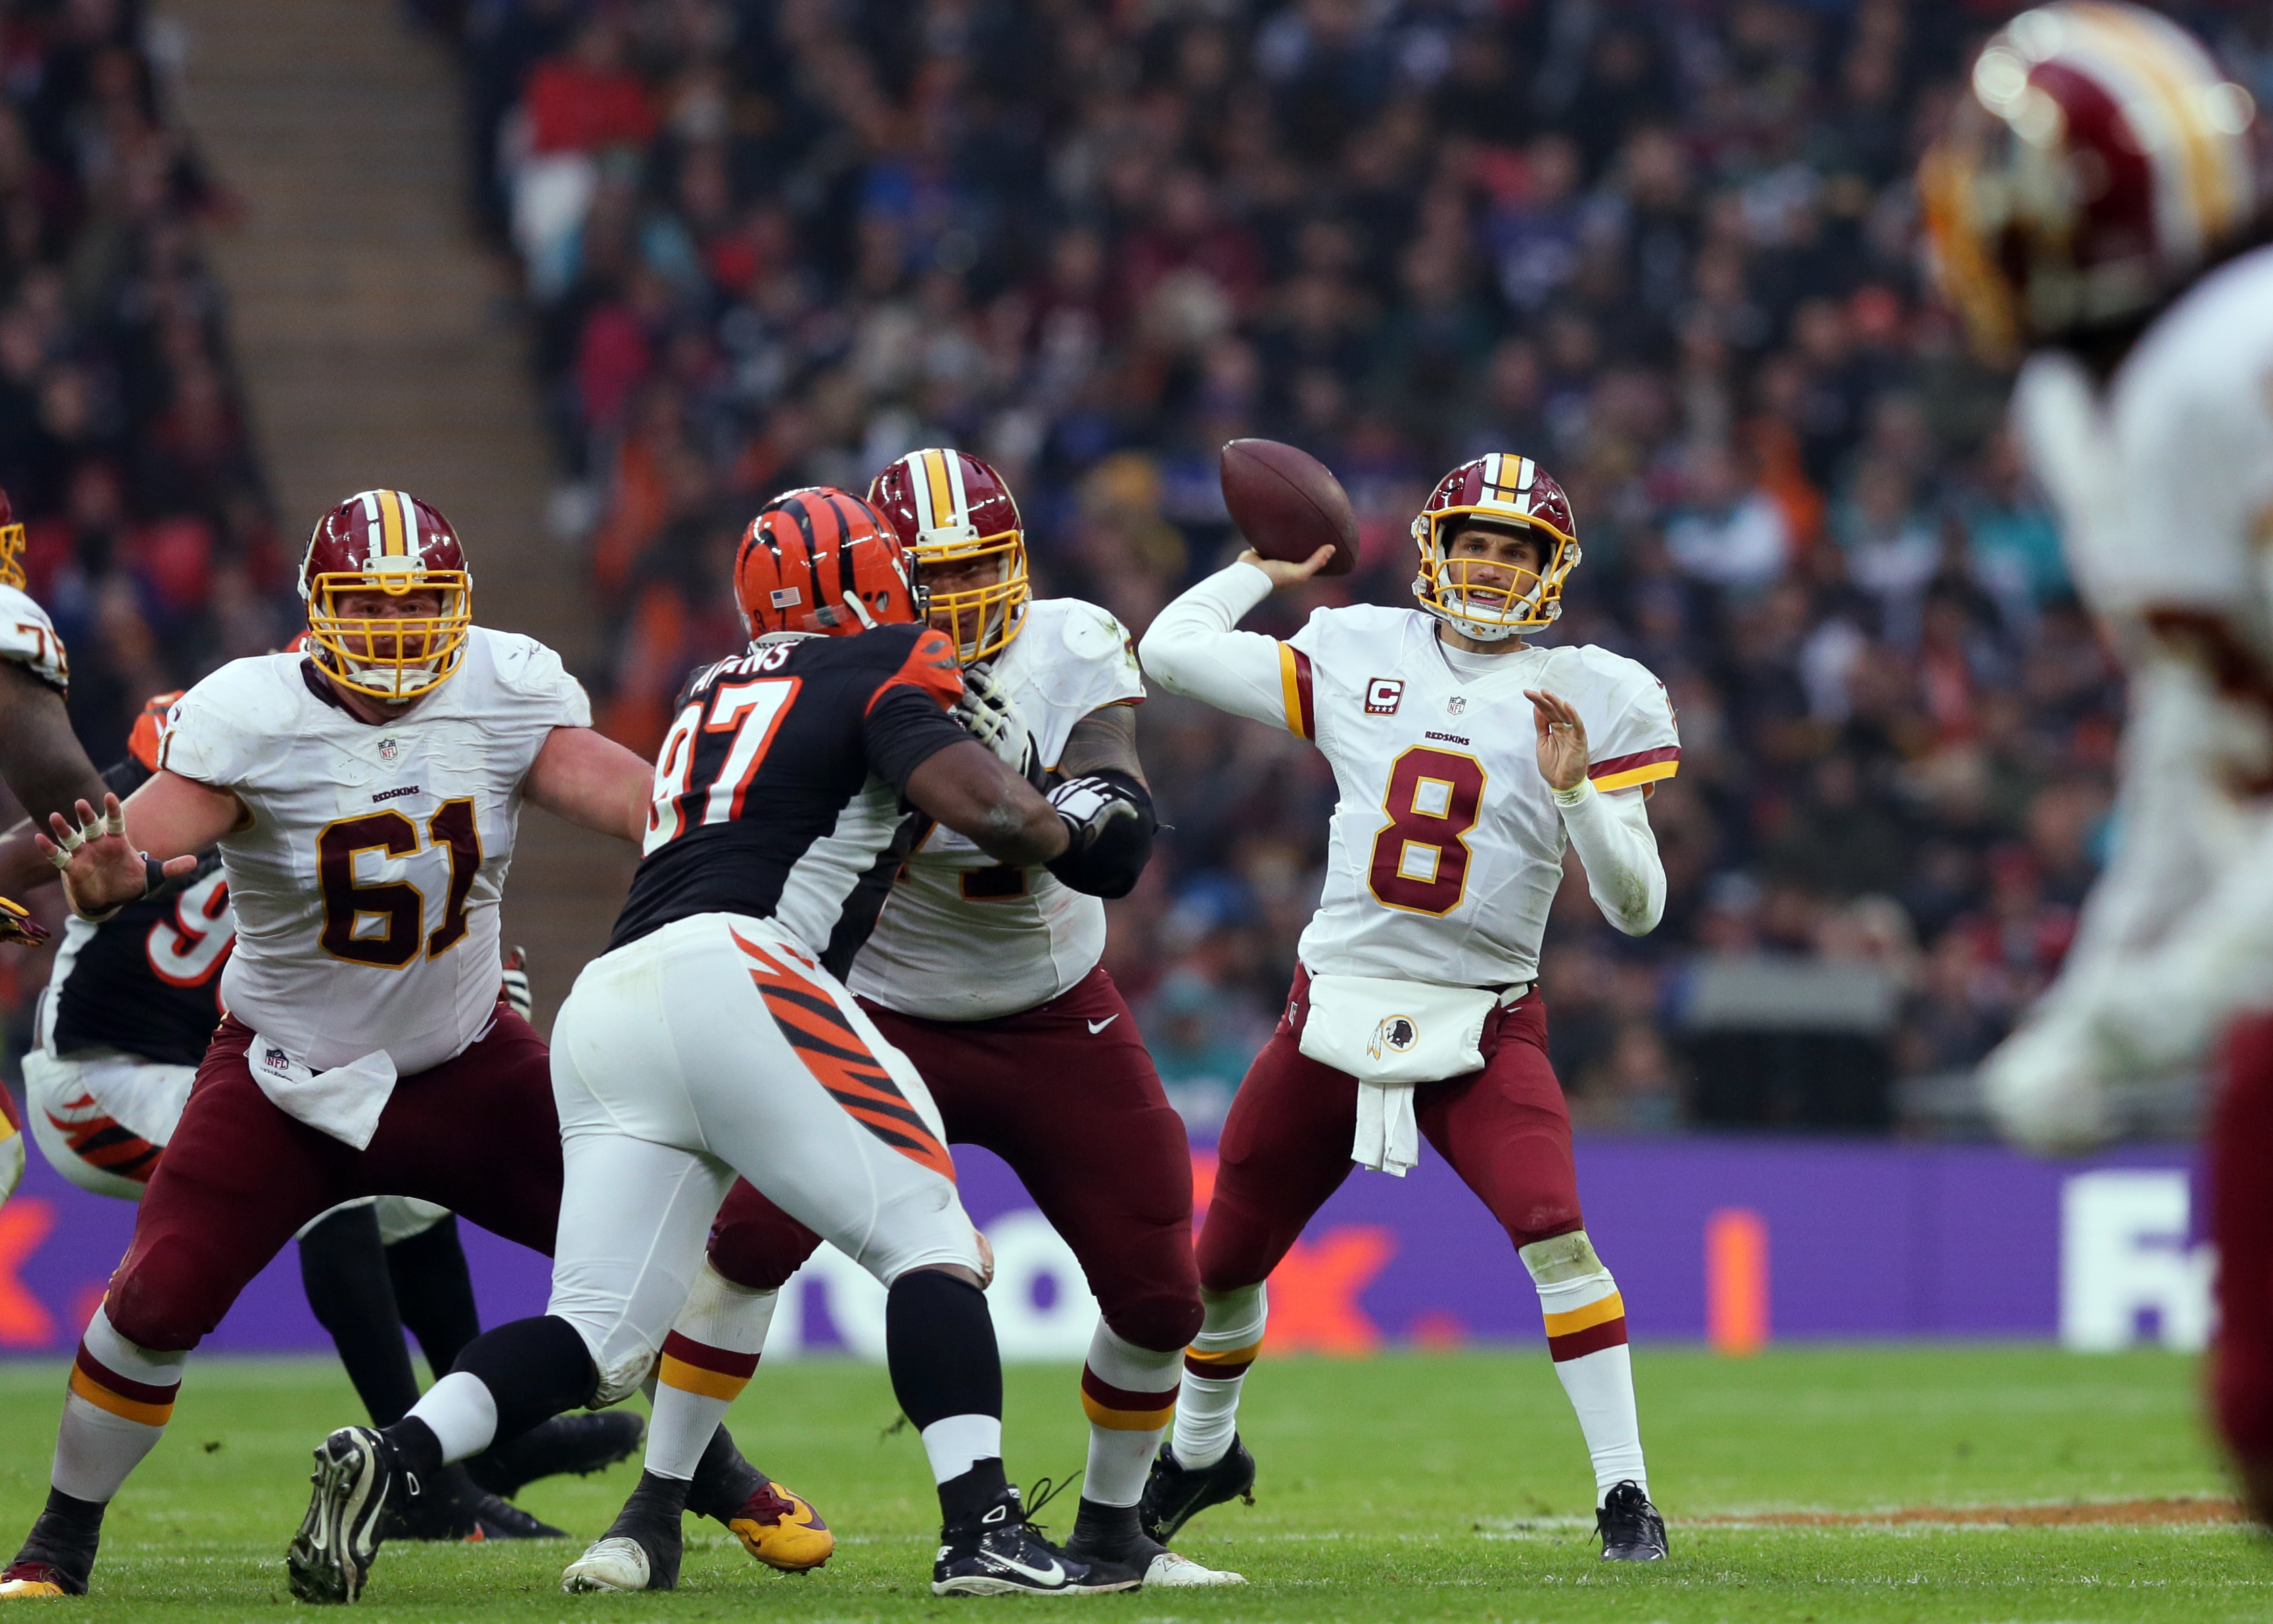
pixel 1446 846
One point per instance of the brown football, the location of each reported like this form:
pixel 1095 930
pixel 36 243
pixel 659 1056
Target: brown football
pixel 1287 504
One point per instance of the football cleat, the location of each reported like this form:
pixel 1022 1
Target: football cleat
pixel 24 1581
pixel 641 1548
pixel 578 1444
pixel 1175 1494
pixel 1629 1526
pixel 780 1529
pixel 58 1554
pixel 1000 1553
pixel 448 1505
pixel 356 1477
pixel 1121 1556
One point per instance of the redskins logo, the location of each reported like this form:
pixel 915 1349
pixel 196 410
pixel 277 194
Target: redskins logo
pixel 1395 1035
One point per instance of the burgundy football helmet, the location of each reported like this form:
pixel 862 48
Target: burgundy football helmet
pixel 1509 492
pixel 12 545
pixel 950 508
pixel 386 544
pixel 2100 159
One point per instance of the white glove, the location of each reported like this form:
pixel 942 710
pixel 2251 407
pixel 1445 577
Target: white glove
pixel 990 715
pixel 2046 1086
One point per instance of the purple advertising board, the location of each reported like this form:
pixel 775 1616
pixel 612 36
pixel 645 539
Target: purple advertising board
pixel 1736 1239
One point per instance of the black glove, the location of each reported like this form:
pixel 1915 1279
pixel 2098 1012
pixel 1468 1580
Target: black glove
pixel 1109 821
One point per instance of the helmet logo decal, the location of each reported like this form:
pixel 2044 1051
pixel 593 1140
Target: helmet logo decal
pixel 783 598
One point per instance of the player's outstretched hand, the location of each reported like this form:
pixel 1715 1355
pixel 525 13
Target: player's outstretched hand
pixel 1562 739
pixel 102 870
pixel 17 927
pixel 1285 574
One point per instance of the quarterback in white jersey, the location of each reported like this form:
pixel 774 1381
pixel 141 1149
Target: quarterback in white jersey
pixel 1413 1009
pixel 2147 413
pixel 986 976
pixel 363 797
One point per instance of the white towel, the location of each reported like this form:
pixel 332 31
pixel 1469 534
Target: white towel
pixel 345 1101
pixel 1388 1139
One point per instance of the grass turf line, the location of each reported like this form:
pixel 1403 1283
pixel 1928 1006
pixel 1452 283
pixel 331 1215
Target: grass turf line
pixel 1418 1486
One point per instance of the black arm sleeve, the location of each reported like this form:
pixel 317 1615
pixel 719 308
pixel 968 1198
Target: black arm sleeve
pixel 904 729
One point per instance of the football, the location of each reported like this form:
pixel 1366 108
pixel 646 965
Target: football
pixel 1287 504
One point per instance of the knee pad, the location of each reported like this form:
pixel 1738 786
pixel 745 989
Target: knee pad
pixel 1159 1321
pixel 756 1245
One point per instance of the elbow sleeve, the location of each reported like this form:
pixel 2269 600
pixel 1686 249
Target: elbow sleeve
pixel 1624 874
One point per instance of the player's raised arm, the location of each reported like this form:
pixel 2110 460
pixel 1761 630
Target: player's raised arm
pixel 114 856
pixel 594 782
pixel 1192 649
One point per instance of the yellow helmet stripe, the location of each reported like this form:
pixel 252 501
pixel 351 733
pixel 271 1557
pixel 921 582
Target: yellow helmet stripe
pixel 937 489
pixel 391 543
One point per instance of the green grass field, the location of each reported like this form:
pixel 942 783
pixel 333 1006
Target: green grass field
pixel 1419 1487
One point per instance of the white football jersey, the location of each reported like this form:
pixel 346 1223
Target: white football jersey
pixel 963 938
pixel 1446 846
pixel 366 887
pixel 28 637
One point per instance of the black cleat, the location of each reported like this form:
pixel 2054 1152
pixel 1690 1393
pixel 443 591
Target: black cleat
pixel 1000 1554
pixel 1175 1494
pixel 641 1548
pixel 1629 1526
pixel 448 1505
pixel 1121 1556
pixel 58 1554
pixel 578 1444
pixel 356 1478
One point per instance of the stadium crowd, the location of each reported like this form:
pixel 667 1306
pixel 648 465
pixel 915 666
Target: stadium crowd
pixel 149 534
pixel 1671 250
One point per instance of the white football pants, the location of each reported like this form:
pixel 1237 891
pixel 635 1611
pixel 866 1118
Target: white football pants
pixel 87 1111
pixel 718 1045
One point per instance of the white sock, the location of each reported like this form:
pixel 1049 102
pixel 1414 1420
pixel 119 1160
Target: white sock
pixel 707 1359
pixel 1207 1406
pixel 1587 1337
pixel 119 1400
pixel 462 1413
pixel 957 1443
pixel 1130 1393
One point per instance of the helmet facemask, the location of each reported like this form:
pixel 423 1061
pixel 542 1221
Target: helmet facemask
pixel 1490 613
pixel 383 656
pixel 12 557
pixel 980 621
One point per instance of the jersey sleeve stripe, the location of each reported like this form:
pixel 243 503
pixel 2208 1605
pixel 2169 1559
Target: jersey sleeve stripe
pixel 1643 766
pixel 1294 689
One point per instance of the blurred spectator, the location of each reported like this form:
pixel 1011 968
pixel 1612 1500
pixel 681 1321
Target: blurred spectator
pixel 1670 252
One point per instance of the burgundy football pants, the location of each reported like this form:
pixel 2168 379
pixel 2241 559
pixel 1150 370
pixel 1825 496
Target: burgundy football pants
pixel 2241 1224
pixel 1066 1094
pixel 1285 1145
pixel 476 1133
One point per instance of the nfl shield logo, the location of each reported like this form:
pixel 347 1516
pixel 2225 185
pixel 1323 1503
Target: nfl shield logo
pixel 390 751
pixel 1458 705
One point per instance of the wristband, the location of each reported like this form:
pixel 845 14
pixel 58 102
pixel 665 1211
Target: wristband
pixel 1575 794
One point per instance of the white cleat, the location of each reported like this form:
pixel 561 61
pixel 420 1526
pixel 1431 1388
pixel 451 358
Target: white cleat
pixel 612 1564
pixel 1173 1571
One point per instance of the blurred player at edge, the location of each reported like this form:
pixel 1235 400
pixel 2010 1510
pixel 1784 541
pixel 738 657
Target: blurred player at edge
pixel 126 1014
pixel 41 762
pixel 2092 201
pixel 1414 1008
pixel 709 1041
pixel 364 798
pixel 986 976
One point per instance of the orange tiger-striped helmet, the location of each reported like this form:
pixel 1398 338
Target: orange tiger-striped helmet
pixel 822 560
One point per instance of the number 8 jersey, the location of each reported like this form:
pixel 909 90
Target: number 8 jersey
pixel 366 883
pixel 1445 850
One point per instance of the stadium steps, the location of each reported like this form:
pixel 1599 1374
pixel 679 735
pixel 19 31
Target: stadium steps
pixel 379 346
